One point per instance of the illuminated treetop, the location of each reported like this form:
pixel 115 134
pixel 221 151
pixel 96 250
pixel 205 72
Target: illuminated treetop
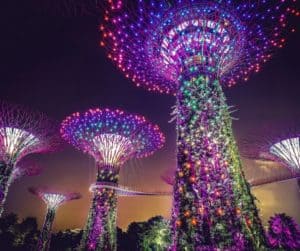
pixel 112 136
pixel 23 132
pixel 288 151
pixel 280 145
pixel 154 42
pixel 51 198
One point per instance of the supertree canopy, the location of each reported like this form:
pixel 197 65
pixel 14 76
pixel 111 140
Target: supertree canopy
pixel 191 48
pixel 22 132
pixel 288 150
pixel 112 137
pixel 53 200
pixel 279 144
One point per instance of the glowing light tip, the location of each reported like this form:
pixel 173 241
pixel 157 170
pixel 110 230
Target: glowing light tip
pixel 112 136
pixel 53 199
pixel 288 150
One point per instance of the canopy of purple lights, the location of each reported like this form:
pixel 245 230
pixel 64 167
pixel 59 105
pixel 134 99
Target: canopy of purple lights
pixel 112 137
pixel 192 48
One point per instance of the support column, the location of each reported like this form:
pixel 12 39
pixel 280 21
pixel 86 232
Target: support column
pixel 212 204
pixel 45 236
pixel 5 181
pixel 101 228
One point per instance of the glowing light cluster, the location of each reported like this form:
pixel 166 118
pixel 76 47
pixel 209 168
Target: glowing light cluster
pixel 53 200
pixel 16 141
pixel 153 42
pixel 23 132
pixel 288 150
pixel 112 136
pixel 113 148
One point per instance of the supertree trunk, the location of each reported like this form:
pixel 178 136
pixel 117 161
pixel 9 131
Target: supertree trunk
pixel 213 206
pixel 45 236
pixel 101 232
pixel 5 181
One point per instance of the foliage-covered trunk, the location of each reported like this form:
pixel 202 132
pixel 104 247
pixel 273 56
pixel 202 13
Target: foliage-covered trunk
pixel 101 228
pixel 213 205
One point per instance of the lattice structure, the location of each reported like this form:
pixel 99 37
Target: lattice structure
pixel 191 48
pixel 53 200
pixel 22 132
pixel 112 137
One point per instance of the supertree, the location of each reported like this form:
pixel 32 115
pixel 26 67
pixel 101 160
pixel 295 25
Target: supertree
pixel 53 200
pixel 192 48
pixel 22 132
pixel 112 137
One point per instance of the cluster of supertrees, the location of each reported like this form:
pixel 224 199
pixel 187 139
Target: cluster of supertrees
pixel 111 136
pixel 192 49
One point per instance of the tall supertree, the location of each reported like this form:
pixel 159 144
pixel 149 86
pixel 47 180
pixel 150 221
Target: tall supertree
pixel 53 200
pixel 22 132
pixel 193 48
pixel 112 137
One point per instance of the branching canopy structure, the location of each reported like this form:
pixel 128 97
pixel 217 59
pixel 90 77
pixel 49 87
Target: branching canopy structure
pixel 22 132
pixel 112 137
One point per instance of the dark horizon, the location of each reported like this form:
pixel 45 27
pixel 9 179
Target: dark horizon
pixel 54 65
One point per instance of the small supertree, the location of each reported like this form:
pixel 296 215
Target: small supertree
pixel 53 200
pixel 22 132
pixel 283 233
pixel 112 137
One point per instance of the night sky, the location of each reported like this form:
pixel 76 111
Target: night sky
pixel 54 64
